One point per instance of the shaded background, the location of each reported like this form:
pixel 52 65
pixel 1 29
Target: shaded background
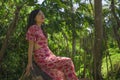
pixel 71 33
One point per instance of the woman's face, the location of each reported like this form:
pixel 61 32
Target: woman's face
pixel 40 17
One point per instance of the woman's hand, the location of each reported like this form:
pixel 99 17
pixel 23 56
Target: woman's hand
pixel 28 68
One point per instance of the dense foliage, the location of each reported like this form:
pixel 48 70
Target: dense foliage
pixel 70 28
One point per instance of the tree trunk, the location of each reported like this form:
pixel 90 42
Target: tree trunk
pixel 97 54
pixel 73 29
pixel 10 30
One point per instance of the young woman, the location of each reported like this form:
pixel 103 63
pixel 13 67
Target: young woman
pixel 43 56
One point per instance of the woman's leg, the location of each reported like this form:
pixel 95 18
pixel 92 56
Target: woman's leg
pixel 51 70
pixel 68 68
pixel 56 75
pixel 65 65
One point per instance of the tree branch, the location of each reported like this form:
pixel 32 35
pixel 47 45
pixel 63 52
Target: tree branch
pixel 10 31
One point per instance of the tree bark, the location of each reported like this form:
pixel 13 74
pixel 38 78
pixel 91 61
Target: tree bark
pixel 36 74
pixel 97 54
pixel 73 29
pixel 10 30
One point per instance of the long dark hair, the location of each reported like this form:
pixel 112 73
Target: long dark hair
pixel 31 20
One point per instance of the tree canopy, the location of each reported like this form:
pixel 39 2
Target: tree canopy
pixel 73 31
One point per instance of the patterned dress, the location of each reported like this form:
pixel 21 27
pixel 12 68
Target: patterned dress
pixel 56 67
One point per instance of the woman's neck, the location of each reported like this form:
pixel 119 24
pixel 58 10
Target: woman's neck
pixel 39 24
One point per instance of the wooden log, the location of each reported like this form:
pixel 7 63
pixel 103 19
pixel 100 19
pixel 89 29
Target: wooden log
pixel 35 74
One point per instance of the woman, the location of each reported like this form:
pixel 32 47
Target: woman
pixel 43 56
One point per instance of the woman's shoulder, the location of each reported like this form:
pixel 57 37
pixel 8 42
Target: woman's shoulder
pixel 33 27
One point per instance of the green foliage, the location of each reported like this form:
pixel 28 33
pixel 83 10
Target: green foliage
pixel 114 67
pixel 63 26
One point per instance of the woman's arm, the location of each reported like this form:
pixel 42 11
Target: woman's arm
pixel 30 36
pixel 30 51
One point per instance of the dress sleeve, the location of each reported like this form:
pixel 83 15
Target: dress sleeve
pixel 30 35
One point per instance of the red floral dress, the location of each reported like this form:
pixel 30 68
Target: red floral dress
pixel 57 67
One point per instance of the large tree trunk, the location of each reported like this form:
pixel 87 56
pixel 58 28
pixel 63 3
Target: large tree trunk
pixel 97 54
pixel 10 30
